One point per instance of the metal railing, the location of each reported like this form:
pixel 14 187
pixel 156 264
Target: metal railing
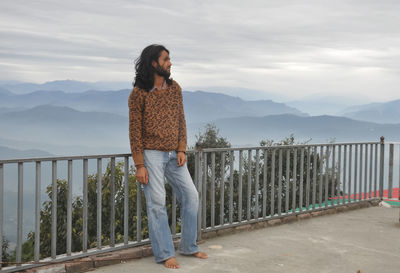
pixel 236 186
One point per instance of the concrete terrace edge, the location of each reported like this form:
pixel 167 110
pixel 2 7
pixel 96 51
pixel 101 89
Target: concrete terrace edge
pixel 121 256
pixel 284 219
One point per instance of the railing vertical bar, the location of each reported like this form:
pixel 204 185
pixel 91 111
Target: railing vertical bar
pixel 344 174
pixel 301 178
pixel 54 210
pixel 231 170
pixel 222 190
pixel 197 175
pixel 370 170
pixel 264 212
pixel 138 212
pixel 1 211
pixel 204 184
pixel 213 189
pixel 339 175
pixel 280 182
pixel 37 212
pixel 256 187
pixel 327 155
pixel 333 175
pixel 99 198
pixel 355 172
pixel 196 172
pixel 173 211
pixel 20 211
pixel 365 171
pixel 308 178
pixel 273 182
pixel 240 190
pixel 294 187
pixel 287 180
pixel 376 171
pixel 112 203
pixel 399 177
pixel 249 186
pixel 391 156
pixel 126 200
pixel 361 172
pixel 69 209
pixel 382 167
pixel 350 171
pixel 314 185
pixel 321 171
pixel 173 226
pixel 85 205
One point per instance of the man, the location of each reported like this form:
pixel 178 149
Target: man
pixel 157 133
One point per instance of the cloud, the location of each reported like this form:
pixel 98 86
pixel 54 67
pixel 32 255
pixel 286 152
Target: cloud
pixel 292 47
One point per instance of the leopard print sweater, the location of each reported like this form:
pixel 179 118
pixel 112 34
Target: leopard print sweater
pixel 156 121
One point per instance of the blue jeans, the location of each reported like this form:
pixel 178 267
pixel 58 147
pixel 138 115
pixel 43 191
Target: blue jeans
pixel 160 164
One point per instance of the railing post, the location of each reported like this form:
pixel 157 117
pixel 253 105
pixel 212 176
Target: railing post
pixel 69 209
pixel 1 212
pixel 54 209
pixel 391 155
pixel 37 212
pixel 198 170
pixel 381 169
pixel 85 206
pixel 204 177
pixel 99 199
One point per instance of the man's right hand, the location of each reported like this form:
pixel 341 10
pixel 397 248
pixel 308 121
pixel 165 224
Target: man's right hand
pixel 142 176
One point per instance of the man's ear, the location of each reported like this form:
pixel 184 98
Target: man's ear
pixel 154 64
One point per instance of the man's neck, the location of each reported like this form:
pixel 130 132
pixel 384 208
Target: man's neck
pixel 158 81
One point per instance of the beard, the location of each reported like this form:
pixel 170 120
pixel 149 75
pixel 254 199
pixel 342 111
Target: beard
pixel 162 72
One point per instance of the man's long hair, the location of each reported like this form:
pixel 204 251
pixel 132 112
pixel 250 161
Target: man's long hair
pixel 144 77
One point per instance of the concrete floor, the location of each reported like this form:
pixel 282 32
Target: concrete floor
pixel 366 239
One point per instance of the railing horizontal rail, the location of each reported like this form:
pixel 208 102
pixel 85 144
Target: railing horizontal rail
pixel 42 159
pixel 282 146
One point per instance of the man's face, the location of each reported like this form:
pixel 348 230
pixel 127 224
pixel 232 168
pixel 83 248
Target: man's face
pixel 163 66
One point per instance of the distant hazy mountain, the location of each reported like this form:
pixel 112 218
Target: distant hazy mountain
pixel 325 105
pixel 9 153
pixel 11 109
pixel 103 101
pixel 68 86
pixel 64 126
pixel 387 112
pixel 199 105
pixel 202 106
pixel 4 92
pixel 243 93
pixel 247 130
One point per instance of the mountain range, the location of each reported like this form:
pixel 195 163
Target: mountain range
pixel 386 112
pixel 58 128
pixel 199 105
pixel 92 122
pixel 6 152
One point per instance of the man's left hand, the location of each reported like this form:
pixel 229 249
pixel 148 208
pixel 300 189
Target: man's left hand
pixel 181 156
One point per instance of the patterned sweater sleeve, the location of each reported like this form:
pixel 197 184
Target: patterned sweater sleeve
pixel 182 137
pixel 135 103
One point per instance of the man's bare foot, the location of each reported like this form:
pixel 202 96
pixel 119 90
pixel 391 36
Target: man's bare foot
pixel 200 255
pixel 171 263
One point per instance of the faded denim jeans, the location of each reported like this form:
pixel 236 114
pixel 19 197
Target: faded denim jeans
pixel 160 164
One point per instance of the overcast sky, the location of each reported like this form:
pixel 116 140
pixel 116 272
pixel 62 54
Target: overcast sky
pixel 297 48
